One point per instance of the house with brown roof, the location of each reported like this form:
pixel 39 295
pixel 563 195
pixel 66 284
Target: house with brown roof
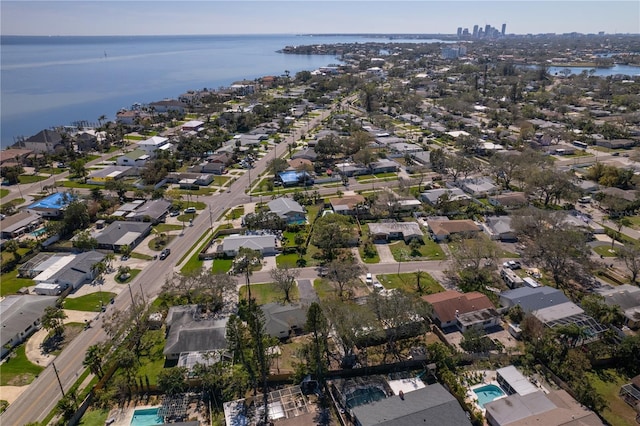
pixel 462 311
pixel 509 200
pixel 346 204
pixel 443 229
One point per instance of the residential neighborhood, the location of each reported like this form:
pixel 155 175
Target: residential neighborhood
pixel 422 234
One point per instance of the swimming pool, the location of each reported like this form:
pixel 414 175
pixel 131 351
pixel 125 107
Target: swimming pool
pixel 365 395
pixel 38 232
pixel 146 417
pixel 488 393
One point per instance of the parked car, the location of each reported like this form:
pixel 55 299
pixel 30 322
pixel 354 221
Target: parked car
pixel 125 257
pixel 189 210
pixel 174 213
pixel 377 286
pixel 512 264
pixel 369 279
pixel 164 253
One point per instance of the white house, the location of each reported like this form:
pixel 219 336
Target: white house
pixel 265 244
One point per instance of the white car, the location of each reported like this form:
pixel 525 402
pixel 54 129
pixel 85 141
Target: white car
pixel 378 286
pixel 189 210
pixel 369 279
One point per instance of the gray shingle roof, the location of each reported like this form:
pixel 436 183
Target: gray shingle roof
pixel 431 405
pixel 17 313
pixel 115 231
pixel 188 333
pixel 282 206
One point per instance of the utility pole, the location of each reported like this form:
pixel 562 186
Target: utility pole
pixel 55 370
pixel 131 294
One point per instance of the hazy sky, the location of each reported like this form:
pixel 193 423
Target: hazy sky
pixel 153 17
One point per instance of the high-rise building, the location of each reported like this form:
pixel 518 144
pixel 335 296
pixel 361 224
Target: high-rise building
pixel 504 28
pixel 459 31
pixel 475 31
pixel 487 30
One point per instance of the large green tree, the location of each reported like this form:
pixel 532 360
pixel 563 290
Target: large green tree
pixel 331 233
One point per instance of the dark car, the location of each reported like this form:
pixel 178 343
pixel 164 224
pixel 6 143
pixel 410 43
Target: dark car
pixel 164 253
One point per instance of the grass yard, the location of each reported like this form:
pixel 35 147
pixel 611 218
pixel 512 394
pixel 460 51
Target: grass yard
pixel 607 383
pixel 235 213
pixel 75 184
pixel 187 217
pixel 635 221
pixel 221 266
pixel 135 137
pixel 324 289
pixel 205 190
pixel 94 417
pixel 605 251
pixel 407 282
pixel 132 274
pixel 266 293
pixel 3 192
pixel 158 244
pixel 30 178
pixel 10 283
pixel 140 256
pixel 51 170
pixel 166 227
pixel 430 250
pixel 287 259
pixel 152 362
pixel 90 302
pixel 17 370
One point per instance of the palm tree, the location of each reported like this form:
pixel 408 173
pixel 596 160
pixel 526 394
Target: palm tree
pixel 101 119
pixel 93 360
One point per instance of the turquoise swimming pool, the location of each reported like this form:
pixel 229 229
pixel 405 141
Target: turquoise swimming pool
pixel 146 417
pixel 488 393
pixel 38 232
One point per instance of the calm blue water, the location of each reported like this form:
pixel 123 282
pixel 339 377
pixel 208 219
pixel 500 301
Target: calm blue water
pixel 49 81
pixel 629 70
pixel 488 393
pixel 146 417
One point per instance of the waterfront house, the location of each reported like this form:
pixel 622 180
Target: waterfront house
pixel 168 105
pixel 154 144
pixel 48 141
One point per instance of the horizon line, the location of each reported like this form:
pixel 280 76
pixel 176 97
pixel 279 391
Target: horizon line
pixel 306 34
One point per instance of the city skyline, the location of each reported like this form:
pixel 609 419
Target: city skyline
pixel 147 17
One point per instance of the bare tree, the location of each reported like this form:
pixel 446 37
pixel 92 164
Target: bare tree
pixel 285 279
pixel 343 272
pixel 630 255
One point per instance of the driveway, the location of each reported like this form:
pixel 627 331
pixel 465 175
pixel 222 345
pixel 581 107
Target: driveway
pixel 385 253
pixel 306 291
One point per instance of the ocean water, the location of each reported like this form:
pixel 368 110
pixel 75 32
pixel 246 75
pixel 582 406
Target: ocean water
pixel 51 81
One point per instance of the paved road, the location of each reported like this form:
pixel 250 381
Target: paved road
pixel 43 394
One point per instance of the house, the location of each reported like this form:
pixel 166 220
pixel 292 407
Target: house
pixel 478 187
pixel 168 105
pixel 135 158
pixel 109 173
pixel 86 141
pixel 151 211
pixel 288 209
pixel 300 164
pixel 532 299
pixel 384 166
pixel 347 204
pixel 405 148
pixel 20 317
pixel 189 331
pixel 499 228
pixel 70 271
pixel 120 233
pixel 14 157
pixel 434 197
pixel 386 231
pixel 265 244
pixel 132 117
pixel 627 297
pixel 616 143
pixel 293 178
pixel 430 405
pixel 442 229
pixel 350 169
pixel 508 200
pixel 19 224
pixel 462 311
pixel 281 321
pixel 153 144
pixel 53 205
pixel 631 393
pixel 224 158
pixel 556 408
pixel 48 141
pixel 306 154
pixel 192 126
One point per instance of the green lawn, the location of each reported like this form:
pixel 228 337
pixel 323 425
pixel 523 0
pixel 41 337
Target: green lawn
pixel 152 362
pixel 635 221
pixel 205 190
pixel 132 275
pixel 135 137
pixel 199 205
pixel 18 370
pixel 89 302
pixel 266 293
pixel 221 266
pixel 235 213
pixel 3 192
pixel 158 244
pixel 10 283
pixel 194 263
pixel 166 227
pixel 51 170
pixel 605 251
pixel 140 256
pixel 30 178
pixel 373 259
pixel 607 383
pixel 430 250
pixel 187 217
pixel 94 417
pixel 407 282
pixel 287 259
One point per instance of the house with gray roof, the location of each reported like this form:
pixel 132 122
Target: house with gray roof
pixel 431 405
pixel 189 331
pixel 20 317
pixel 78 270
pixel 627 297
pixel 19 224
pixel 306 154
pixel 289 210
pixel 508 200
pixel 532 299
pixel 120 233
pixel 478 187
pixel 386 231
pixel 151 211
pixel 265 244
pixel 499 228
pixel 432 196
pixel 44 141
pixel 282 320
pixel 109 173
pixel 384 166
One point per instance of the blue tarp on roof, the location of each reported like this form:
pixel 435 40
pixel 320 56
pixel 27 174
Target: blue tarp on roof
pixel 54 201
